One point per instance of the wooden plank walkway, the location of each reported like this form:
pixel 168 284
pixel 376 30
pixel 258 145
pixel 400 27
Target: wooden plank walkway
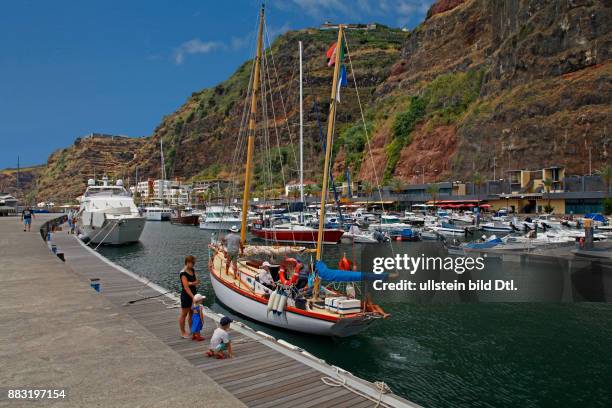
pixel 264 373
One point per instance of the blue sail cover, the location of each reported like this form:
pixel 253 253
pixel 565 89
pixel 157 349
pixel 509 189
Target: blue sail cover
pixel 337 275
pixel 596 217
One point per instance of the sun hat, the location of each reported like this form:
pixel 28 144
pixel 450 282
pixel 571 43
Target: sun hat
pixel 225 321
pixel 234 228
pixel 198 297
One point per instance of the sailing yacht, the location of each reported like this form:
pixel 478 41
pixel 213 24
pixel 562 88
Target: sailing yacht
pixel 314 309
pixel 108 215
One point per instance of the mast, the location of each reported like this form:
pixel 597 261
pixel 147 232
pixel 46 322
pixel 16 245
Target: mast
pixel 328 145
pixel 18 176
pixel 160 190
pixel 301 131
pixel 251 131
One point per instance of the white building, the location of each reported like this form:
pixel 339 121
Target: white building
pixel 170 191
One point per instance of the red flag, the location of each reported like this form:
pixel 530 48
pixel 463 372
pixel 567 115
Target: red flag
pixel 331 55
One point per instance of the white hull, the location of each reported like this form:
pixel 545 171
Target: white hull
pixel 389 227
pixel 288 320
pixel 349 238
pixel 157 216
pixel 115 232
pixel 450 232
pixel 219 225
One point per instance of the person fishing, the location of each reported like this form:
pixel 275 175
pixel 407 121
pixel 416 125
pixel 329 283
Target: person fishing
pixel 189 287
pixel 234 248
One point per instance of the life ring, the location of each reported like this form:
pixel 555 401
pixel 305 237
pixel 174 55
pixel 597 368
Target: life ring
pixel 296 271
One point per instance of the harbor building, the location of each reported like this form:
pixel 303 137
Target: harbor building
pixel 523 191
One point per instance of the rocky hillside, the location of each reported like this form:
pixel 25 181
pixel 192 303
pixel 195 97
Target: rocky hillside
pixel 200 138
pixel 22 187
pixel 65 176
pixel 527 83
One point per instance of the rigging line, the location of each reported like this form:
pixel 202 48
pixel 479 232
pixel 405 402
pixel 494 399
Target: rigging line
pixel 267 175
pixel 242 130
pixel 365 129
pixel 280 94
pixel 280 155
pixel 242 136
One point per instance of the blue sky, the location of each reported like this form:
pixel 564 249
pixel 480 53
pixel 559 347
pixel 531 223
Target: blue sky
pixel 69 67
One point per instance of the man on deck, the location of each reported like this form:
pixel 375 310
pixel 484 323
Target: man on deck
pixel 233 248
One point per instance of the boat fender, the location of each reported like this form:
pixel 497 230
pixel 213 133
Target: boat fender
pixel 271 300
pixel 281 303
pixel 277 299
pixel 344 264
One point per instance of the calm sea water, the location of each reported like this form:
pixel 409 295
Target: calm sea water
pixel 438 354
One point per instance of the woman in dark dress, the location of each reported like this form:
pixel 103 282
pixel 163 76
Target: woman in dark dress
pixel 189 287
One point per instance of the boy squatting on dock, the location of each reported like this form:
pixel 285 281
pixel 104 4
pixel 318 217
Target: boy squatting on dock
pixel 220 343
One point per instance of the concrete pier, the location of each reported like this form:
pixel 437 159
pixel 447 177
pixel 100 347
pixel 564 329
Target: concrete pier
pixel 58 333
pixel 117 346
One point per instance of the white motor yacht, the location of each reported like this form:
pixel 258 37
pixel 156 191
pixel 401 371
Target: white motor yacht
pixel 157 213
pixel 108 215
pixel 217 217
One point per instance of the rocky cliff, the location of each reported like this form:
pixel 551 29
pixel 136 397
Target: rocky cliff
pixel 518 83
pixel 20 183
pixel 65 176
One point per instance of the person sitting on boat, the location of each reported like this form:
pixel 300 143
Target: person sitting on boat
pixel 197 319
pixel 303 274
pixel 265 277
pixel 220 343
pixel 233 247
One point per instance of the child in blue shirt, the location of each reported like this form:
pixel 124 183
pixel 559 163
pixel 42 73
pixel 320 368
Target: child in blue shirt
pixel 197 318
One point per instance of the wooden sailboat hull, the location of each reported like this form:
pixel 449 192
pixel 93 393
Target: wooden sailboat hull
pixel 246 303
pixel 186 220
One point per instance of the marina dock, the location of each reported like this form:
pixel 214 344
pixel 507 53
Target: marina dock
pixel 57 333
pixel 264 373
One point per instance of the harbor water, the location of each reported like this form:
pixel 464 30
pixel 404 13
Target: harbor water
pixel 440 353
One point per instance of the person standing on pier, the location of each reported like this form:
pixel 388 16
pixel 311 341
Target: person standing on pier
pixel 26 216
pixel 189 288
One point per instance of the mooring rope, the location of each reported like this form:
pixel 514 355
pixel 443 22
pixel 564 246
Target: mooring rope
pixel 381 386
pixel 109 231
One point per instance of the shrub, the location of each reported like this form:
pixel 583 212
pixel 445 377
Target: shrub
pixel 403 125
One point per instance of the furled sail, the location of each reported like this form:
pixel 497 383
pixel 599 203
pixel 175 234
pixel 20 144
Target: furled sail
pixel 267 250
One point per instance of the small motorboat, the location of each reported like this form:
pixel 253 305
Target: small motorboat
pixel 357 236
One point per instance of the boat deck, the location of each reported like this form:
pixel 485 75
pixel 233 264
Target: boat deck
pixel 264 373
pixel 247 270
